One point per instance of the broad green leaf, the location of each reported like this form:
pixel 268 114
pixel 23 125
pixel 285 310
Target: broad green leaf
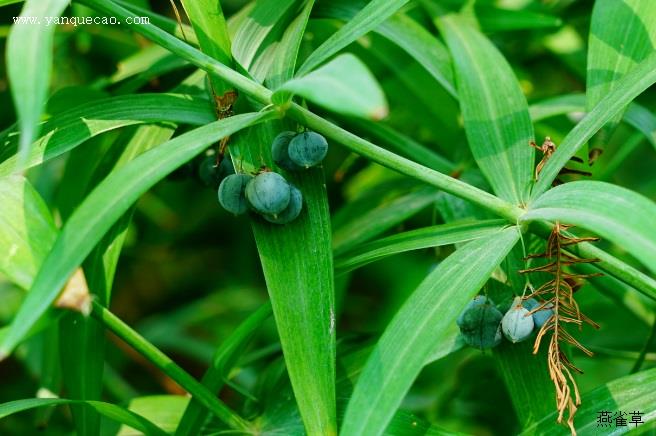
pixel 29 61
pixel 9 2
pixel 620 215
pixel 66 131
pixel 284 63
pixel 224 359
pixel 626 89
pixel 27 230
pixel 643 120
pixel 405 32
pixel 494 109
pixel 111 411
pixel 622 34
pixel 434 236
pixel 165 411
pixel 374 13
pixel 344 85
pixel 362 225
pixel 298 269
pixel 421 322
pixel 99 212
pixel 627 394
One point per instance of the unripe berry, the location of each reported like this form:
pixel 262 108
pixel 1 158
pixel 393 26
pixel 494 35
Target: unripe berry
pixel 292 211
pixel 232 193
pixel 268 193
pixel 480 326
pixel 517 324
pixel 280 151
pixel 308 149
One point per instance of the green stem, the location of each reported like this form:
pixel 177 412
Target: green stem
pixel 169 367
pixel 365 148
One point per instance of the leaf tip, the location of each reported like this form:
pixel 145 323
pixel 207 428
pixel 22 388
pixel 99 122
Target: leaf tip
pixel 379 113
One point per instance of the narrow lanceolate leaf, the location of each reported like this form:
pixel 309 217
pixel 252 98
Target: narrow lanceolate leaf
pixel 27 230
pixel 405 32
pixel 423 321
pixel 29 60
pixel 259 22
pixel 284 63
pixel 624 91
pixel 223 360
pixel 103 207
pixel 361 223
pixel 367 19
pixel 298 268
pixel 344 85
pixel 111 411
pixel 68 130
pixel 622 34
pixel 434 236
pixel 620 215
pixel 494 109
pixel 211 28
pixel 634 393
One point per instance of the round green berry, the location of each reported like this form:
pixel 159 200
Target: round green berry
pixel 541 316
pixel 480 326
pixel 280 151
pixel 268 193
pixel 477 301
pixel 517 324
pixel 292 211
pixel 232 193
pixel 308 149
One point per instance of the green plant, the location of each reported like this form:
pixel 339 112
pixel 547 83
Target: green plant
pixel 444 88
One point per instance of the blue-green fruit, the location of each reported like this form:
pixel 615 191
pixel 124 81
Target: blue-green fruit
pixel 477 301
pixel 541 316
pixel 480 326
pixel 232 193
pixel 280 151
pixel 308 149
pixel 517 324
pixel 268 193
pixel 292 211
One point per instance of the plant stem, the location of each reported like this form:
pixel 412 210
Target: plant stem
pixel 365 148
pixel 169 367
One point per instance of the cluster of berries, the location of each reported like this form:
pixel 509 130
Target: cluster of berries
pixel 268 193
pixel 482 324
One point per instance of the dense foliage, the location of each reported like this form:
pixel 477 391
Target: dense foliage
pixel 398 217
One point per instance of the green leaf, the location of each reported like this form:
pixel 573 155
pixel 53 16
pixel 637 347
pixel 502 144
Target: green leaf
pixel 493 19
pixel 164 411
pixel 626 89
pixel 643 120
pixel 27 230
pixel 494 109
pixel 111 411
pixel 367 19
pixel 628 394
pixel 622 34
pixel 223 360
pixel 434 236
pixel 260 20
pixel 284 63
pixel 211 28
pixel 361 224
pixel 344 85
pixel 298 268
pixel 68 130
pixel 421 322
pixel 29 61
pixel 405 32
pixel 93 218
pixel 620 215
